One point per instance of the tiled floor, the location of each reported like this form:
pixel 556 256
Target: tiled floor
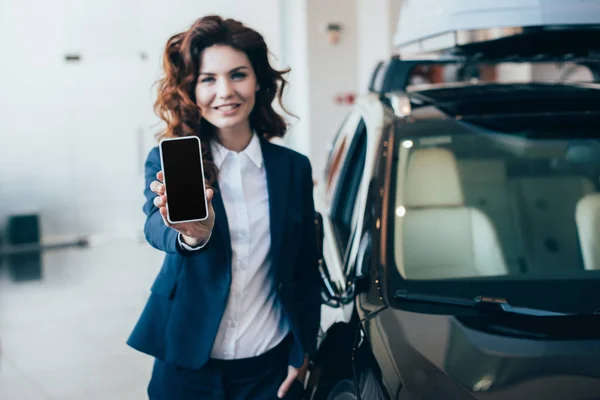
pixel 62 336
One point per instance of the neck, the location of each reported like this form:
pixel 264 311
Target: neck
pixel 236 138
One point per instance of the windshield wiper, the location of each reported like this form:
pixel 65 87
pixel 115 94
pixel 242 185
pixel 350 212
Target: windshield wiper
pixel 481 303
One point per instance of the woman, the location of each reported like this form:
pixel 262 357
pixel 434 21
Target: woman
pixel 235 309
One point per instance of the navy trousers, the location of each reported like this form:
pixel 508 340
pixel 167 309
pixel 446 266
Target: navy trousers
pixel 256 378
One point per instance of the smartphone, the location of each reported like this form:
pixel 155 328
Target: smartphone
pixel 183 173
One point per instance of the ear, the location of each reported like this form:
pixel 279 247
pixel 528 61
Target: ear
pixel 257 86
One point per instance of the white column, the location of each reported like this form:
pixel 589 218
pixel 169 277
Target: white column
pixel 374 39
pixel 332 71
pixel 294 54
pixel 321 70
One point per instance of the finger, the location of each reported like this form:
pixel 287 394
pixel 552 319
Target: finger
pixel 157 187
pixel 163 212
pixel 160 201
pixel 287 384
pixel 209 195
pixel 160 176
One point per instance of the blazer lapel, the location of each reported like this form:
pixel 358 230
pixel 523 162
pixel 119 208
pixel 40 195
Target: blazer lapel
pixel 221 223
pixel 277 170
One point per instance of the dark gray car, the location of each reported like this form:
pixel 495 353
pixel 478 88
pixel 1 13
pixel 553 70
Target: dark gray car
pixel 465 234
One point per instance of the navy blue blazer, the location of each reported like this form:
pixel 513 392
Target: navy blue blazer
pixel 181 318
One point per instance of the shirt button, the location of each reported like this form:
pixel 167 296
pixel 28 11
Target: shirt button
pixel 280 287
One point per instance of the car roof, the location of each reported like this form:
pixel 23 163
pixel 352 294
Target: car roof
pixel 450 24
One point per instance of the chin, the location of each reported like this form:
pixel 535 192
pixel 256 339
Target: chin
pixel 227 124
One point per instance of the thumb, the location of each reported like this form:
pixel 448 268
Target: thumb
pixel 285 386
pixel 163 214
pixel 209 195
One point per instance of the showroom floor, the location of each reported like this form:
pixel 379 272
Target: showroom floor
pixel 63 326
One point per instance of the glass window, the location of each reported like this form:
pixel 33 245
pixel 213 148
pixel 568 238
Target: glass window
pixel 471 200
pixel 347 189
pixel 339 152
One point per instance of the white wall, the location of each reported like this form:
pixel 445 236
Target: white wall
pixel 74 135
pixel 295 55
pixel 377 20
pixel 555 72
pixel 332 69
pixel 509 72
pixel 544 72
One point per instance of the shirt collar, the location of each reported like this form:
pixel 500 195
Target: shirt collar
pixel 253 151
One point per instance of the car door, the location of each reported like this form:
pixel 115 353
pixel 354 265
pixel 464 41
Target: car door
pixel 360 182
pixel 350 185
pixel 335 203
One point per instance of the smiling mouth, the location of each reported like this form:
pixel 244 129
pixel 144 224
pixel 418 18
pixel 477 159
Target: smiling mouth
pixel 227 107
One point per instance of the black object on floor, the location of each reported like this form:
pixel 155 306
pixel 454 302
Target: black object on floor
pixel 24 230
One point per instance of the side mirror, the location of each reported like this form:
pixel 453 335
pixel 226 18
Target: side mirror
pixel 329 295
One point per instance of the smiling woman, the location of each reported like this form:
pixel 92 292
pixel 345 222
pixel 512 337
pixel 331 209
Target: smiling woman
pixel 226 97
pixel 218 63
pixel 235 310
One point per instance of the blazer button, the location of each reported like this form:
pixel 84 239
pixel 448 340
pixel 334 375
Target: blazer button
pixel 280 287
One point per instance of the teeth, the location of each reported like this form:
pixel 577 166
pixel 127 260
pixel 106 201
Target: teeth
pixel 227 108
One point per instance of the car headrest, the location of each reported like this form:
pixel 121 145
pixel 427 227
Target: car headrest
pixel 432 179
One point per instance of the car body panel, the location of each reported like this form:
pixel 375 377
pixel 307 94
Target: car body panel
pixel 376 118
pixel 440 357
pixel 453 23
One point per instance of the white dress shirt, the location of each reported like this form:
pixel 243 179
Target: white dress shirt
pixel 254 321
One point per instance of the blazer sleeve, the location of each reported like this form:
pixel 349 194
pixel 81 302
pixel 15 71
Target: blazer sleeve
pixel 307 295
pixel 159 235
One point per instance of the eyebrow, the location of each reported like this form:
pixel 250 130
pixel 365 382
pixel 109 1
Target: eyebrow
pixel 233 70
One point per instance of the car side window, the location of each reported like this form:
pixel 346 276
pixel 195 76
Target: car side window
pixel 334 150
pixel 338 154
pixel 347 188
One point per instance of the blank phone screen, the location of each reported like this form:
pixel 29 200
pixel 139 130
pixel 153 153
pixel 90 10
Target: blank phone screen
pixel 184 181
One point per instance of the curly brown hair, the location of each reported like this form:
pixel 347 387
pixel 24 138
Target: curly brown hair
pixel 176 102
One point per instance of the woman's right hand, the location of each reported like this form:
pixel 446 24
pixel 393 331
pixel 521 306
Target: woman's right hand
pixel 193 233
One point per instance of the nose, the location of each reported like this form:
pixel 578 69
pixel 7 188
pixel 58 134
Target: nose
pixel 225 89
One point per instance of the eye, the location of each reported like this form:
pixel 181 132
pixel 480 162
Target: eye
pixel 238 75
pixel 207 79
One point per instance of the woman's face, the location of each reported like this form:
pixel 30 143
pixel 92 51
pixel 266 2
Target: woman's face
pixel 226 87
